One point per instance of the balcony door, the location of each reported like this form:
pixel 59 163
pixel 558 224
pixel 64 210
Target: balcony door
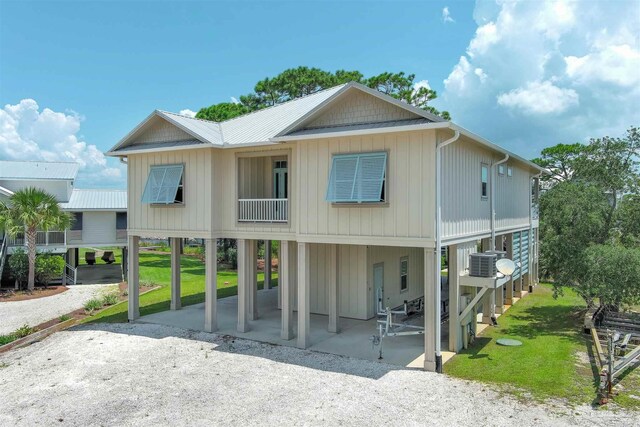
pixel 280 179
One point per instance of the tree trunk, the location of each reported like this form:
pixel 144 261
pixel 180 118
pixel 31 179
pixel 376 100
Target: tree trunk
pixel 31 253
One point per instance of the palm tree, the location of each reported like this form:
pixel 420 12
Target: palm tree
pixel 27 211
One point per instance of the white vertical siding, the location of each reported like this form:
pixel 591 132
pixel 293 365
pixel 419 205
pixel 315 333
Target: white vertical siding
pixel 464 211
pixel 98 228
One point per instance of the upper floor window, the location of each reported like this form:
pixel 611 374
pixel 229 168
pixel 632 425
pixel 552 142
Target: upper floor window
pixel 500 169
pixel 121 220
pixel 509 171
pixel 404 273
pixel 357 178
pixel 485 180
pixel 76 221
pixel 164 185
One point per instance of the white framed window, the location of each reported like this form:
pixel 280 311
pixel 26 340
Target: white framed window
pixel 484 180
pixel 164 185
pixel 357 178
pixel 404 274
pixel 501 170
pixel 509 171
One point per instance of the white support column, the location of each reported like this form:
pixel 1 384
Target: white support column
pixel 210 285
pixel 454 297
pixel 252 274
pixel 334 292
pixel 284 276
pixel 304 294
pixel 133 279
pixel 509 295
pixel 489 300
pixel 267 264
pixel 176 304
pixel 243 287
pixel 499 301
pixel 430 302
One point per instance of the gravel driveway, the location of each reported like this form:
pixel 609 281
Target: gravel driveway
pixel 14 314
pixel 156 375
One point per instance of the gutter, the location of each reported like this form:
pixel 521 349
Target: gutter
pixel 438 247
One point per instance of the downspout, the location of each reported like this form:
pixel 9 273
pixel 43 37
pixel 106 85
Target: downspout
pixel 438 248
pixel 531 239
pixel 493 200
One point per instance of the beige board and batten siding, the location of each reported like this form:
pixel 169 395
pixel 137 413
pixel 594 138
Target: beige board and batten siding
pixel 191 219
pixel 390 257
pixel 408 216
pixel 354 292
pixel 465 213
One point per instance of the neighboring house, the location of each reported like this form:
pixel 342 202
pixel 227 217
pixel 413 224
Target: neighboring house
pixel 361 190
pixel 99 216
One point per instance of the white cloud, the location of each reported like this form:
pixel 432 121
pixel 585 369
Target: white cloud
pixel 539 98
pixel 26 133
pixel 446 15
pixel 563 71
pixel 617 64
pixel 421 83
pixel 187 112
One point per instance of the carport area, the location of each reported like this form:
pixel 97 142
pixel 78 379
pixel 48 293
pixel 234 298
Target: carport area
pixel 99 274
pixel 353 340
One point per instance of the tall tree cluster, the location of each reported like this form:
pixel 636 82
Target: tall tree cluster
pixel 590 218
pixel 298 82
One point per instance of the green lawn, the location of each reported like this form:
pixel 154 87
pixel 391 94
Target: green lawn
pixel 156 268
pixel 553 361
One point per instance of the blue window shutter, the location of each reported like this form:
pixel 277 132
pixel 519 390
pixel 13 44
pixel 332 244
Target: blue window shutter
pixel 357 177
pixel 162 184
pixel 342 178
pixel 370 177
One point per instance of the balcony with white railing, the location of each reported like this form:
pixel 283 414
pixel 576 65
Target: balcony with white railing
pixel 43 238
pixel 263 210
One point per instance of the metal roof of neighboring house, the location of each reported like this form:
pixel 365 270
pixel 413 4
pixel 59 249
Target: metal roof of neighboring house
pixel 96 200
pixel 13 169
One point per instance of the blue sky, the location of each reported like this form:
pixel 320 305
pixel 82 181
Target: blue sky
pixel 77 76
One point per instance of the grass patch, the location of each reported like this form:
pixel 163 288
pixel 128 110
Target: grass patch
pixel 554 360
pixel 21 332
pixel 156 268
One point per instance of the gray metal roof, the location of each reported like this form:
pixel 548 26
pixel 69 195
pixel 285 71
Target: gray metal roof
pixel 205 130
pixel 357 126
pixel 96 200
pixel 10 169
pixel 157 145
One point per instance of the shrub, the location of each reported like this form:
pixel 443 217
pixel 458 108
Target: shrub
pixel 110 299
pixel 48 267
pixel 19 266
pixel 23 331
pixel 6 339
pixel 64 318
pixel 92 305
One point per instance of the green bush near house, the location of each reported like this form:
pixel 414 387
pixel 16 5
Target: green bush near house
pixel 553 361
pixel 48 267
pixel 92 305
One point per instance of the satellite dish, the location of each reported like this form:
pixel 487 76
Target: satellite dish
pixel 506 266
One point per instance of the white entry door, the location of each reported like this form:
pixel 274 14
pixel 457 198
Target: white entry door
pixel 378 287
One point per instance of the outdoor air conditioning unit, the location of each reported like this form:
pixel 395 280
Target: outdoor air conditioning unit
pixel 482 265
pixel 499 254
